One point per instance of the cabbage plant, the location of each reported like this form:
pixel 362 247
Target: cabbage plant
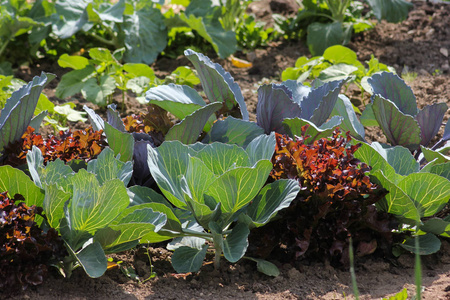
pixel 19 109
pixel 219 194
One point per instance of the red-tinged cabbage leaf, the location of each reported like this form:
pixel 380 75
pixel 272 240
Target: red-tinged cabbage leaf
pixel 290 99
pixel 390 86
pixel 19 108
pixel 274 105
pixel 399 128
pixel 218 85
pixel 26 250
pixel 395 109
pixel 430 119
pixel 319 103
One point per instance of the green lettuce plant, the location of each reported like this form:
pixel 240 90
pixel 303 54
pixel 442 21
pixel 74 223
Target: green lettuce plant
pixel 221 189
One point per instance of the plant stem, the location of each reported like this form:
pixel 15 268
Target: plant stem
pixel 352 271
pixel 418 268
pixel 103 40
pixel 203 235
pixel 2 49
pixel 217 258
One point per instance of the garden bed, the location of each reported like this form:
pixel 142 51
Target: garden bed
pixel 418 47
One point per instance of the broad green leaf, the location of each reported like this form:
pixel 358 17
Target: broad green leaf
pixel 71 17
pixel 396 202
pixel 399 128
pixel 376 161
pixel 218 85
pixel 92 259
pixel 53 204
pixel 367 117
pixel 337 72
pixel 106 167
pixel 145 35
pixel 266 267
pixel 389 86
pixel 233 131
pixel 131 227
pixel 436 226
pixel 73 82
pixel 428 244
pixel 114 119
pixel 393 11
pixel 262 147
pixel 69 113
pixel 441 170
pixel 431 155
pixel 236 243
pixel 15 181
pixel 223 42
pixel 220 158
pixel 190 128
pixel 75 62
pixel 186 241
pixel 350 122
pixel 271 199
pixel 294 128
pixel 167 163
pixel 399 158
pixel 341 55
pixel 97 90
pixel 102 55
pixel 320 36
pixel 186 259
pixel 19 108
pixel 430 192
pixel 93 206
pixel 179 100
pixel 37 120
pixel 144 195
pixel 113 13
pixel 120 142
pixel 198 178
pixel 137 70
pixel 237 187
pixel 138 84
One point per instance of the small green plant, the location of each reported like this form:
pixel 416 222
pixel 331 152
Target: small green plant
pixel 252 34
pixel 99 77
pixel 336 63
pixel 219 194
pixel 332 22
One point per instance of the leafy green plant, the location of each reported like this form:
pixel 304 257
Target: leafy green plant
pixel 221 188
pixel 336 63
pixel 97 78
pixel 90 209
pixel 332 22
pixel 17 114
pixel 252 34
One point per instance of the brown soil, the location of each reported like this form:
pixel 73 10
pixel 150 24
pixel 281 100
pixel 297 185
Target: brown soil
pixel 419 44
